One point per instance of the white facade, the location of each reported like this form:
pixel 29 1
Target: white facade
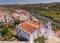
pixel 31 36
pixel 20 33
pixel 34 35
pixel 24 18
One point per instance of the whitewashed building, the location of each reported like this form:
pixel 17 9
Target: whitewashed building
pixel 6 18
pixel 22 15
pixel 30 30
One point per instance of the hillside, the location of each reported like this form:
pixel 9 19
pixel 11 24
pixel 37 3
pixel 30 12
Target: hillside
pixel 50 10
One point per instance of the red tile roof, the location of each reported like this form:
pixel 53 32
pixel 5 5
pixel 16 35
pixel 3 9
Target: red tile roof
pixel 26 13
pixel 58 33
pixel 15 15
pixel 29 27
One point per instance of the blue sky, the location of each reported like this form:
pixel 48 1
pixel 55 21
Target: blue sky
pixel 26 1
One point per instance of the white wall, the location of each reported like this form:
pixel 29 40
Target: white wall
pixel 34 35
pixel 30 37
pixel 20 32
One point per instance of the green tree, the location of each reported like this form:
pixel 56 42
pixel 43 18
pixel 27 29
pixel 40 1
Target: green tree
pixel 8 37
pixel 4 30
pixel 17 22
pixel 11 10
pixel 40 39
pixel 11 27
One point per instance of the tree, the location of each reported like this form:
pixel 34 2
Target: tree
pixel 4 30
pixel 11 27
pixel 40 39
pixel 17 22
pixel 8 37
pixel 6 34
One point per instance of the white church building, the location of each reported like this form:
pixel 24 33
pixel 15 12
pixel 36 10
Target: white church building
pixel 30 30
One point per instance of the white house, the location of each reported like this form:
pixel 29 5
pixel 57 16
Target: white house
pixel 6 18
pixel 2 19
pixel 30 30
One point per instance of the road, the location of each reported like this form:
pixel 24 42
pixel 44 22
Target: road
pixel 46 18
pixel 13 42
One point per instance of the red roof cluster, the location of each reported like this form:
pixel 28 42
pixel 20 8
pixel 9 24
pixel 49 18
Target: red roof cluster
pixel 20 13
pixel 5 16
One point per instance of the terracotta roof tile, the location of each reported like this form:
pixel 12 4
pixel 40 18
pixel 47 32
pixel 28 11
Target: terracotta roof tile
pixel 58 33
pixel 30 27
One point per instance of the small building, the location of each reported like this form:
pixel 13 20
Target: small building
pixel 30 30
pixel 32 18
pixel 21 15
pixel 58 34
pixel 6 18
pixel 2 20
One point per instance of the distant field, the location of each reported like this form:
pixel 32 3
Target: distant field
pixel 54 15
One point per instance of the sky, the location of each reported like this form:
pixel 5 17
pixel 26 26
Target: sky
pixel 26 1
